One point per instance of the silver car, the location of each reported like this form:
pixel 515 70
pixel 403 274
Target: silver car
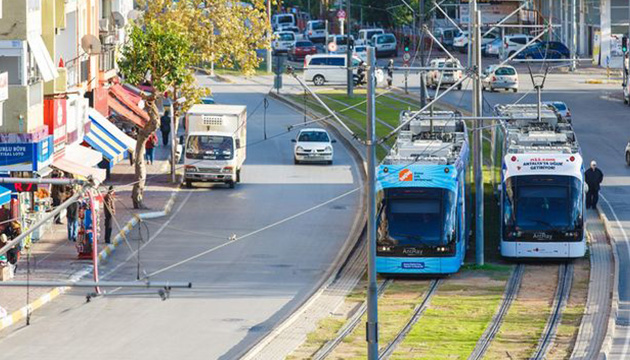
pixel 561 108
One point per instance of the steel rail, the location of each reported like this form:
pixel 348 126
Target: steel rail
pixel 349 327
pixel 420 309
pixel 565 279
pixel 513 286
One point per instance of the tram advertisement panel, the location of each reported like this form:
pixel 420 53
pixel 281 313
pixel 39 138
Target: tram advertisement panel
pixel 428 176
pixel 548 164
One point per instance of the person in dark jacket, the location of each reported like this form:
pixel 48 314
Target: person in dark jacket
pixel 72 215
pixel 110 211
pixel 165 127
pixel 390 73
pixel 593 177
pixel 57 194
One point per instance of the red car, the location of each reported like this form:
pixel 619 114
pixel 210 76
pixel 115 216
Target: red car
pixel 301 49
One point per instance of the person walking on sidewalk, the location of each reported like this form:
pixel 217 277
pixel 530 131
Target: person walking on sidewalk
pixel 390 73
pixel 150 147
pixel 110 211
pixel 72 215
pixel 57 194
pixel 165 127
pixel 593 177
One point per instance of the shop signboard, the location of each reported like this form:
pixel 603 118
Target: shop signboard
pixel 55 117
pixel 32 156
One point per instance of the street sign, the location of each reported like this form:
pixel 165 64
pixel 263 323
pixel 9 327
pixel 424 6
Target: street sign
pixel 406 56
pixel 341 14
pixel 332 46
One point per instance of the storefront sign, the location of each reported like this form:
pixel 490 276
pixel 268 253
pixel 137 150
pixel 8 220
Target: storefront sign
pixel 4 86
pixel 55 117
pixel 26 156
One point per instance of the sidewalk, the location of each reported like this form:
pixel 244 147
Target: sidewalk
pixel 55 258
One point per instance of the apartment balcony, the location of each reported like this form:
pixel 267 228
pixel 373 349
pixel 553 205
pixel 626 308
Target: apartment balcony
pixel 107 64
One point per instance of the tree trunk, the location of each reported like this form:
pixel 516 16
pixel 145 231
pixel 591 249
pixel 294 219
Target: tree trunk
pixel 140 165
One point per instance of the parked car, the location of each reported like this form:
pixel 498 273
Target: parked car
pixel 385 45
pixel 545 50
pixel 446 36
pixel 460 42
pixel 499 77
pixel 360 51
pixel 327 68
pixel 279 20
pixel 626 92
pixel 441 75
pixel 283 41
pixel 514 43
pixel 493 49
pixel 561 108
pixel 365 35
pixel 628 154
pixel 301 49
pixel 341 41
pixel 291 28
pixel 313 145
pixel 315 31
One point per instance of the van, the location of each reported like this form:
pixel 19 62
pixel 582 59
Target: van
pixel 327 68
pixel 440 75
pixel 280 20
pixel 385 45
pixel 365 35
pixel 315 31
pixel 446 36
pixel 283 41
pixel 341 42
pixel 513 43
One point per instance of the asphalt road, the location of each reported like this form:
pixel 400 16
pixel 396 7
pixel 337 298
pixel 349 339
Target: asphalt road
pixel 602 125
pixel 241 288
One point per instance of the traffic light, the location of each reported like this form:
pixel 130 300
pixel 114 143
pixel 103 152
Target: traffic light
pixel 351 44
pixel 406 43
pixel 624 44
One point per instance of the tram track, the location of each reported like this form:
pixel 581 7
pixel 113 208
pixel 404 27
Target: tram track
pixel 387 352
pixel 511 291
pixel 563 290
pixel 349 327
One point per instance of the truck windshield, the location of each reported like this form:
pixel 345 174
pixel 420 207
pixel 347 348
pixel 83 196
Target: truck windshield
pixel 209 147
pixel 543 203
pixel 418 216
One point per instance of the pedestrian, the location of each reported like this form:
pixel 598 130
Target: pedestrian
pixel 110 211
pixel 165 127
pixel 13 255
pixel 72 215
pixel 593 177
pixel 150 147
pixel 57 194
pixel 390 73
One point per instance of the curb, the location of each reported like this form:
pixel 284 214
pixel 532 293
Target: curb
pixel 603 81
pixel 614 308
pixel 20 314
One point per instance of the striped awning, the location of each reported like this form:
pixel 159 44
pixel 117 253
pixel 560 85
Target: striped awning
pixel 5 195
pixel 107 138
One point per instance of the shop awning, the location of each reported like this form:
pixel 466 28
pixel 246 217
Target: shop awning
pixel 83 172
pixel 108 139
pixel 42 57
pixel 5 195
pixel 125 104
pixel 83 155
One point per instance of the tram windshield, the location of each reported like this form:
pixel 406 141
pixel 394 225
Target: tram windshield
pixel 550 203
pixel 417 216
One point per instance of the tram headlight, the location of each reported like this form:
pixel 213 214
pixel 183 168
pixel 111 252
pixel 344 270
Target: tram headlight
pixel 385 248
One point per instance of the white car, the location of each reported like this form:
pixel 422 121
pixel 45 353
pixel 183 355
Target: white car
pixel 313 145
pixel 500 77
pixel 365 35
pixel 341 43
pixel 513 43
pixel 283 41
pixel 361 52
pixel 441 75
pixel 461 41
pixel 328 68
pixel 628 154
pixel 385 45
pixel 315 31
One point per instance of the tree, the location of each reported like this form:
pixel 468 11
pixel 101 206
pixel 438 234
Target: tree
pixel 170 38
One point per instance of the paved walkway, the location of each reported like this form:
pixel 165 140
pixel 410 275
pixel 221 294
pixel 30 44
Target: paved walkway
pixel 596 315
pixel 55 258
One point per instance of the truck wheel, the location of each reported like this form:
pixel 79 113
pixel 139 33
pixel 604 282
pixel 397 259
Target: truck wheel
pixel 189 184
pixel 238 175
pixel 459 87
pixel 329 162
pixel 628 158
pixel 231 184
pixel 319 80
pixel 295 161
pixel 515 90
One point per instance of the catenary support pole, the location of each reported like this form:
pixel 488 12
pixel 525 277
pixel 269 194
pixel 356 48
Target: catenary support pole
pixel 478 137
pixel 350 85
pixel 423 88
pixel 372 300
pixel 269 33
pixel 173 139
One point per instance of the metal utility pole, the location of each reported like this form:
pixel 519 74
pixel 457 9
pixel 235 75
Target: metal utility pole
pixel 173 139
pixel 269 33
pixel 423 88
pixel 350 86
pixel 478 135
pixel 372 300
pixel 574 38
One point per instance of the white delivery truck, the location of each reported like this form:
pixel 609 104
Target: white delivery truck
pixel 216 136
